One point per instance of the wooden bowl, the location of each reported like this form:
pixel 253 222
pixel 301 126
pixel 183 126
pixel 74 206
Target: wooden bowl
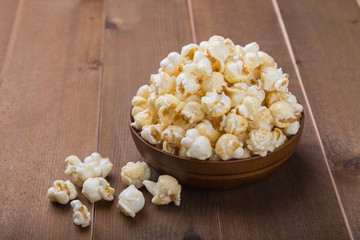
pixel 216 174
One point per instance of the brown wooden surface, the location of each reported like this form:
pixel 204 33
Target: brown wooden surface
pixel 329 58
pixel 69 68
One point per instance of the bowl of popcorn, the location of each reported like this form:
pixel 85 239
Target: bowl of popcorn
pixel 217 115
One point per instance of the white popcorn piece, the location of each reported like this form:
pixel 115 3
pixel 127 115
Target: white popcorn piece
pixel 62 192
pixel 251 48
pixel 81 214
pixel 93 166
pixel 131 201
pixel 165 190
pixel 283 113
pixel 192 112
pixel 229 147
pixel 278 138
pixel 251 60
pixel 138 101
pixel 171 63
pixel 152 133
pixel 219 50
pixel 189 50
pixel 173 135
pixel 213 83
pixel 266 60
pixel 237 93
pixel 142 119
pixel 262 118
pixel 285 96
pixel 260 141
pixel 186 83
pixel 166 107
pixel 236 72
pixel 180 120
pixel 274 80
pixel 196 146
pixel 202 64
pixel 205 128
pixel 234 124
pixel 144 91
pixel 95 189
pixel 162 82
pixel 216 104
pixel 292 128
pixel 135 173
pixel 249 107
pixel 169 148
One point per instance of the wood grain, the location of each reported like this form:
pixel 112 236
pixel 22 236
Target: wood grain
pixel 49 109
pixel 139 34
pixel 330 72
pixel 297 202
pixel 7 19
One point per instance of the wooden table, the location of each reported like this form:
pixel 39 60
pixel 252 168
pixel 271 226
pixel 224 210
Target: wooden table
pixel 69 68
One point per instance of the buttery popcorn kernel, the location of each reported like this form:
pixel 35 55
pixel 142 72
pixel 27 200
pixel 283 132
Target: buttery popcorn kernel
pixel 135 173
pixel 62 192
pixel 131 201
pixel 95 189
pixel 165 190
pixel 211 93
pixel 81 214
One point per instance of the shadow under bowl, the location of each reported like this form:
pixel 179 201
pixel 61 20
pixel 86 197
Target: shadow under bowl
pixel 216 174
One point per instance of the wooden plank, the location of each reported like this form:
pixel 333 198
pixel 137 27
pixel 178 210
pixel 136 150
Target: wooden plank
pixel 298 201
pixel 7 18
pixel 330 72
pixel 138 36
pixel 49 99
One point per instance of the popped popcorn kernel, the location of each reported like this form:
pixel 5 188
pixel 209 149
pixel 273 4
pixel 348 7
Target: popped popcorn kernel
pixel 196 146
pixel 215 104
pixel 283 113
pixel 81 214
pixel 234 124
pixel 229 147
pixel 62 192
pixel 165 190
pixel 95 189
pixel 131 201
pixel 135 173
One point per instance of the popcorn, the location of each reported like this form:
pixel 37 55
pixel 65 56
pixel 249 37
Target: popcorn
pixel 283 113
pixel 62 192
pixel 166 190
pixel 81 214
pixel 192 112
pixel 228 147
pixel 274 80
pixel 171 63
pixel 234 124
pixel 196 146
pixel 205 128
pixel 152 133
pixel 173 135
pixel 260 141
pixel 213 89
pixel 215 104
pixel 95 189
pixel 135 173
pixel 131 201
pixel 186 83
pixel 213 83
pixel 93 166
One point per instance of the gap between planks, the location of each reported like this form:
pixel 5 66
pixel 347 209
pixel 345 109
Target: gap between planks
pixel 292 56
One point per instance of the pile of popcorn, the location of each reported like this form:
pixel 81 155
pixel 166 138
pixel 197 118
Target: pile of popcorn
pixel 91 174
pixel 217 101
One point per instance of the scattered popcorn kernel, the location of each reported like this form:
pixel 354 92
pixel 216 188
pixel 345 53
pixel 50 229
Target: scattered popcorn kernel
pixel 229 147
pixel 192 112
pixel 196 146
pixel 283 113
pixel 142 119
pixel 260 141
pixel 135 173
pixel 166 190
pixel 173 135
pixel 95 189
pixel 152 133
pixel 234 124
pixel 171 63
pixel 131 201
pixel 81 214
pixel 213 83
pixel 205 128
pixel 215 104
pixel 93 166
pixel 292 128
pixel 62 192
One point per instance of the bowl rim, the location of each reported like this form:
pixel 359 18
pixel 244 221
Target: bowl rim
pixel 229 161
